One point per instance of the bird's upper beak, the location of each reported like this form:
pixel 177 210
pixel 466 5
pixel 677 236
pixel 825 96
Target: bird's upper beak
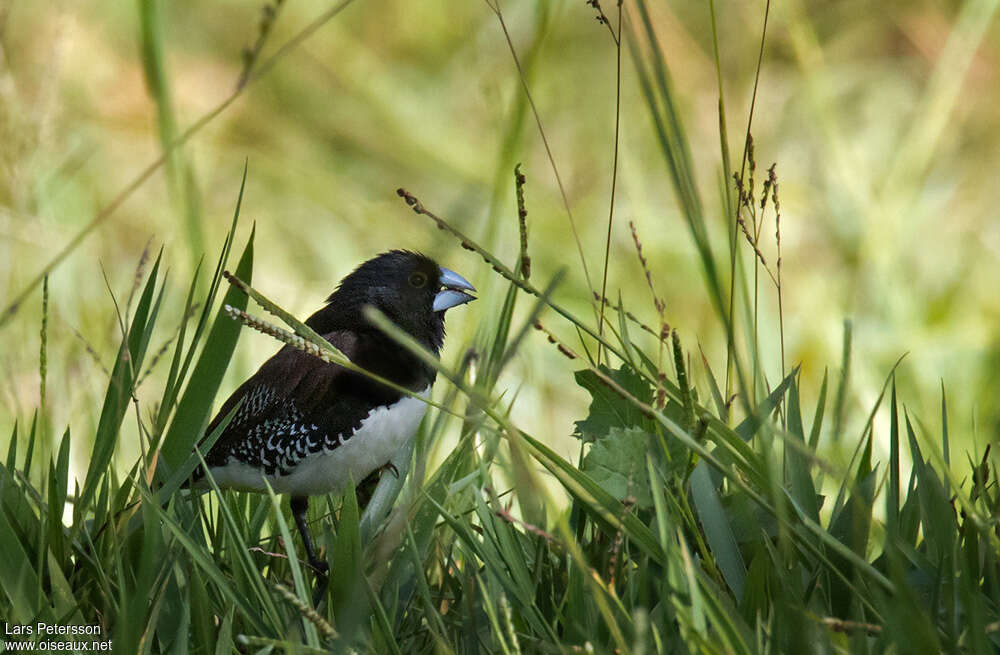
pixel 452 293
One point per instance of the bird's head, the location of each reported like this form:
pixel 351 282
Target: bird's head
pixel 408 287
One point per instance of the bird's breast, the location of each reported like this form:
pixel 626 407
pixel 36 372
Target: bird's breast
pixel 381 434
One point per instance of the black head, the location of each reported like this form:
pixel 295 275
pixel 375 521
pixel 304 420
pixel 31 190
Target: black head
pixel 409 288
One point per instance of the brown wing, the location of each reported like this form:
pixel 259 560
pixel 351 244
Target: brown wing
pixel 296 404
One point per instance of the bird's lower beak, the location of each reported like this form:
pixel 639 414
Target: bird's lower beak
pixel 453 293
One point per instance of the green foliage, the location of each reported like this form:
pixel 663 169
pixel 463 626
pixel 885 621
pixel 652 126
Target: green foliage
pixel 606 409
pixel 618 464
pixel 686 534
pixel 682 528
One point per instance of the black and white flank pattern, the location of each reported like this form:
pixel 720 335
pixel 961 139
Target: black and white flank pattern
pixel 276 443
pixel 300 458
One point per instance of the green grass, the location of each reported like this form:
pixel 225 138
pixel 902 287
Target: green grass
pixel 684 533
pixel 707 508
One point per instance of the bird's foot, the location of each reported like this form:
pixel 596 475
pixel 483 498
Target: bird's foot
pixel 321 570
pixel 321 567
pixel 392 468
pixel 322 585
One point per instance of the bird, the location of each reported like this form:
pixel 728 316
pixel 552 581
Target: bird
pixel 310 427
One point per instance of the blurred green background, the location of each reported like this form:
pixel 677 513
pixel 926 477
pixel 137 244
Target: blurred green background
pixel 881 116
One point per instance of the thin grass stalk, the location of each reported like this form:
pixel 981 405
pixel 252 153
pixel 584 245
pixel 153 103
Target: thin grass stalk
pixel 743 162
pixel 773 177
pixel 43 355
pixel 632 318
pixel 840 399
pixel 728 197
pixel 614 167
pixel 268 18
pixel 140 273
pixel 757 368
pixel 523 259
pixel 659 305
pixel 158 355
pixel 181 363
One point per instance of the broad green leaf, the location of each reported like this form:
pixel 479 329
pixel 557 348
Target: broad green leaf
pixel 598 503
pixel 618 463
pixel 607 408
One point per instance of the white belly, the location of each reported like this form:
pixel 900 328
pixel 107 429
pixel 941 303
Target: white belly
pixel 381 434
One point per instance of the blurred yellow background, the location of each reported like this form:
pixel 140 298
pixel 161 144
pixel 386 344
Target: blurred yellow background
pixel 882 118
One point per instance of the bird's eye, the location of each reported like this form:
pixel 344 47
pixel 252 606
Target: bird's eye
pixel 418 280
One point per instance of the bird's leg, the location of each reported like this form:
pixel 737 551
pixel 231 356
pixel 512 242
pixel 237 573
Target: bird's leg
pixel 299 506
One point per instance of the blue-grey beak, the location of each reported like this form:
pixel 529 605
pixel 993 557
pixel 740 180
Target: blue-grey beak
pixel 452 293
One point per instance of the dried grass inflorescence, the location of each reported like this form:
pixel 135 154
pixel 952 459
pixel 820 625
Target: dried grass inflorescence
pixel 563 348
pixel 632 317
pixel 43 358
pixel 602 18
pixel 524 261
pixel 747 207
pixel 504 513
pixel 661 308
pixel 772 182
pixel 627 504
pixel 140 274
pixel 467 243
pixel 658 302
pixel 89 349
pixel 250 54
pixel 309 613
pixel 278 333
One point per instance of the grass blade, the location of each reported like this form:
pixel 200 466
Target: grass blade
pixel 195 407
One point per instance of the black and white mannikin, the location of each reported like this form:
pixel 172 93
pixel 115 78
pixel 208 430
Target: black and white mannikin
pixel 311 427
